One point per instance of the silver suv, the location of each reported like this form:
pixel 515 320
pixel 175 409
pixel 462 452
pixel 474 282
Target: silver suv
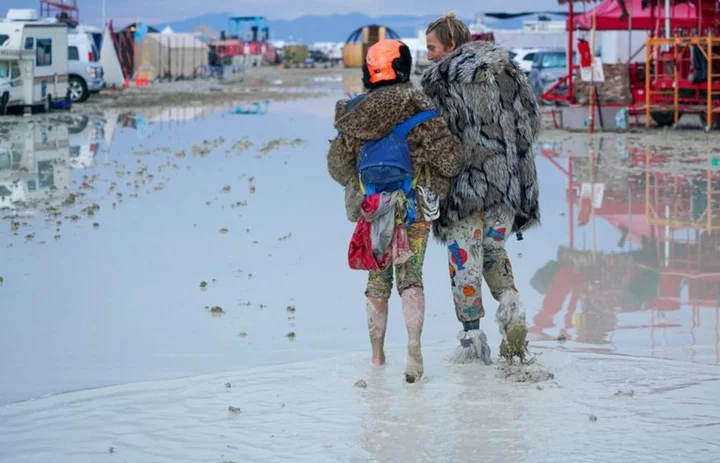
pixel 85 73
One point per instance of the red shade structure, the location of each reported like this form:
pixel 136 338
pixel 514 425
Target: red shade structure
pixel 608 17
pixel 682 68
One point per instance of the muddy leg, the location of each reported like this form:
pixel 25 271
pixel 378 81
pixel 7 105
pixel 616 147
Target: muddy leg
pixel 410 287
pixel 378 292
pixel 377 315
pixel 466 260
pixel 498 274
pixel 413 304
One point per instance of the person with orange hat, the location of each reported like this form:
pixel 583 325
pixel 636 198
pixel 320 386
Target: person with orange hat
pixel 487 101
pixel 395 158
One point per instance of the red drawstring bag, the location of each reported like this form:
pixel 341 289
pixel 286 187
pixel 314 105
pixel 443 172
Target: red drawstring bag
pixel 360 252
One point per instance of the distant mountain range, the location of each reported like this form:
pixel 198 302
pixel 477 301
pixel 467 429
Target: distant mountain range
pixel 331 28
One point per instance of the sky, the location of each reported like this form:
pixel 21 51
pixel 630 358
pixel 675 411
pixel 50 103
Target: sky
pixel 161 11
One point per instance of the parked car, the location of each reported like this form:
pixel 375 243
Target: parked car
pixel 548 66
pixel 524 57
pixel 85 74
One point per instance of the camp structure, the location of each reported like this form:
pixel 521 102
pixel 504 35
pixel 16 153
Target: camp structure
pixel 361 39
pixel 170 55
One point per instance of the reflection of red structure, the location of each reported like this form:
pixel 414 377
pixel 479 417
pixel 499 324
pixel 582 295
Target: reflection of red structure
pixel 676 77
pixel 62 10
pixel 670 235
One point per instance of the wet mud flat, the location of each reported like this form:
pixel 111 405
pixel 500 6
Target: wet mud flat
pixel 146 243
pixel 255 84
pixel 343 408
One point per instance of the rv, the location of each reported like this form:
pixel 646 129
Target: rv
pixel 33 61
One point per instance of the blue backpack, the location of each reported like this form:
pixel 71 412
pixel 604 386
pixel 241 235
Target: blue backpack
pixel 385 164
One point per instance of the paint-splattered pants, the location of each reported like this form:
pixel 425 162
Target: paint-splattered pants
pixel 408 274
pixel 477 250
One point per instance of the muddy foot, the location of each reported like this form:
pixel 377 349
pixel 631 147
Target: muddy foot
pixel 515 342
pixel 473 348
pixel 414 366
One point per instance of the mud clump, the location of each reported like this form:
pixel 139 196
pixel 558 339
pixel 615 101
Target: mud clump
pixel 525 373
pixel 225 189
pixel 622 393
pixel 91 210
pixel 223 231
pixel 277 143
pixel 70 200
pixel 291 335
pixel 234 411
pixel 242 334
pixel 1 282
pixel 203 285
pixel 217 311
pixel 291 309
pixel 207 147
pixel 561 338
pixel 240 146
pixel 228 385
pixel 360 383
pixel 592 418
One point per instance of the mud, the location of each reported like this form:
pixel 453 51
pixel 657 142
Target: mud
pixel 257 84
pixel 524 373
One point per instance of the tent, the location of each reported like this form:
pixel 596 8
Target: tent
pixel 170 54
pixel 607 17
pixel 114 76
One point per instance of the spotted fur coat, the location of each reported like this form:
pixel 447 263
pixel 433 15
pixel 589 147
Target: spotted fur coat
pixel 488 102
pixel 431 143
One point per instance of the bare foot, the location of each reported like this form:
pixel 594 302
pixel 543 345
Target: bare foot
pixel 414 367
pixel 378 359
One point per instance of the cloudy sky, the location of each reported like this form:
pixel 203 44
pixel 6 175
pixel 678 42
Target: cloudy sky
pixel 159 11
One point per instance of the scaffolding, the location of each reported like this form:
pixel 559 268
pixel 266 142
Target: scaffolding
pixel 669 89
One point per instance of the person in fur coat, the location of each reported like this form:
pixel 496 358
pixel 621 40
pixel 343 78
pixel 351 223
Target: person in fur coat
pixel 436 158
pixel 487 101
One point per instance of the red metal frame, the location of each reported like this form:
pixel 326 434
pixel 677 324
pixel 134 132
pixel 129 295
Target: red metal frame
pixel 692 96
pixel 57 8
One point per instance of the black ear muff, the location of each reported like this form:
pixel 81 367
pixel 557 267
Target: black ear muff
pixel 403 65
pixel 366 76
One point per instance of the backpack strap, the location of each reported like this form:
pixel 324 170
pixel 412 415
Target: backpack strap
pixel 404 128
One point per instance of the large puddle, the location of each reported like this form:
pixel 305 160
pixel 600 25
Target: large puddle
pixel 176 242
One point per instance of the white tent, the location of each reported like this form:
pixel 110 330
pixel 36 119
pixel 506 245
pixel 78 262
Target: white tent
pixel 110 62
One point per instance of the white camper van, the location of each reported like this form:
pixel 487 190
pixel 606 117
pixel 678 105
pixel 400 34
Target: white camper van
pixel 33 61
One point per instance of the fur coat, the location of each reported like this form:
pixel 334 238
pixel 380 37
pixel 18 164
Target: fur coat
pixel 431 143
pixel 487 101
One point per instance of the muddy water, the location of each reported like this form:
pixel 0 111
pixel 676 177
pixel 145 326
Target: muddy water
pixel 174 242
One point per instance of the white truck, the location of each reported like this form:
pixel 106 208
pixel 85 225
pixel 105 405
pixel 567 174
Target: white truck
pixel 33 61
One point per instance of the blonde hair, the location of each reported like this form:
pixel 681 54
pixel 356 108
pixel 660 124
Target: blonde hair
pixel 449 29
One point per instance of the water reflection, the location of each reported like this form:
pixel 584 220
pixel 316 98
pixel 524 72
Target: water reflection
pixel 643 237
pixel 36 160
pixel 33 166
pixel 258 108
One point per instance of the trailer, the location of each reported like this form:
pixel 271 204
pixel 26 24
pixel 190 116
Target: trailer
pixel 33 61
